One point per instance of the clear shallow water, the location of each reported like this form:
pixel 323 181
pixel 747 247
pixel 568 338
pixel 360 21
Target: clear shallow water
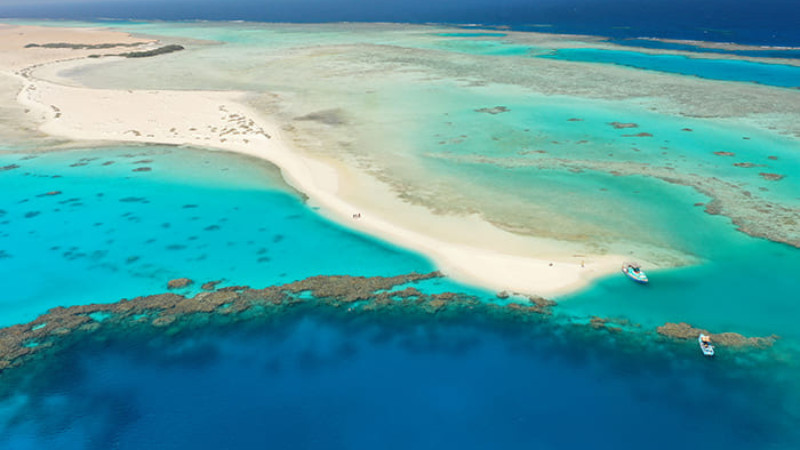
pixel 715 69
pixel 660 45
pixel 317 379
pixel 112 233
pixel 439 88
pixel 748 287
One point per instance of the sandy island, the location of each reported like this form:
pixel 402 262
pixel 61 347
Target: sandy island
pixel 467 249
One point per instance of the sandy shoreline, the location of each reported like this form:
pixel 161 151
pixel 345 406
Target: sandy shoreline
pixel 467 249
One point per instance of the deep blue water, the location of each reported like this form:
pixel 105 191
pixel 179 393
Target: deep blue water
pixel 770 22
pixel 715 69
pixel 315 380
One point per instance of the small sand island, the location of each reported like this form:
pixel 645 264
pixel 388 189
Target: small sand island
pixel 572 217
pixel 467 248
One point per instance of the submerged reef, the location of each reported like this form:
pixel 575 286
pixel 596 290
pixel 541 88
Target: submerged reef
pixel 685 331
pixel 155 52
pixel 493 111
pixel 347 294
pixel 752 214
pixel 178 283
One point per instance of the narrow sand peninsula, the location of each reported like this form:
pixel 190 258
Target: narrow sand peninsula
pixel 465 248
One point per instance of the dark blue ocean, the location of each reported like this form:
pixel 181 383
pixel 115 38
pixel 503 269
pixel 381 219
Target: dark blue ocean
pixel 316 379
pixel 767 22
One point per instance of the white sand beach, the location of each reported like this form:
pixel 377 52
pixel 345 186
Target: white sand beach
pixel 465 248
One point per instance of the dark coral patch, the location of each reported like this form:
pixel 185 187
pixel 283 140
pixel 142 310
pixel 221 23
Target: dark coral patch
pixel 494 110
pixel 210 285
pixel 623 125
pixel 772 176
pixel 134 200
pixel 179 283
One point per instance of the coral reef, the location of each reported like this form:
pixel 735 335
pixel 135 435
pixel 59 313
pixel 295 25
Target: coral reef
pixel 347 294
pixel 772 176
pixel 622 125
pixel 155 52
pixel 164 310
pixel 494 110
pixel 685 331
pixel 178 283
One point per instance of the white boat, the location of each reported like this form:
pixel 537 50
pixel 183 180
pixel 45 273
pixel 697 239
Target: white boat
pixel 705 344
pixel 635 273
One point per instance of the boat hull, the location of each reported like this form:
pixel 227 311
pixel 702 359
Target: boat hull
pixel 635 275
pixel 706 348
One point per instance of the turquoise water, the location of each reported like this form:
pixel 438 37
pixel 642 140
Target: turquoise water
pixel 715 69
pixel 748 286
pixel 764 53
pixel 546 165
pixel 112 233
pixel 86 226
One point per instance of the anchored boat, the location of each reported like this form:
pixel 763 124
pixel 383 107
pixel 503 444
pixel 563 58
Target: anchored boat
pixel 634 272
pixel 705 345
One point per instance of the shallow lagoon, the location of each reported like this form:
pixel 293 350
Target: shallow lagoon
pixel 108 231
pixel 320 378
pixel 715 69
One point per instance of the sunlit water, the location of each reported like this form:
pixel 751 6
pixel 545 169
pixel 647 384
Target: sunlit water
pixel 108 231
pixel 85 226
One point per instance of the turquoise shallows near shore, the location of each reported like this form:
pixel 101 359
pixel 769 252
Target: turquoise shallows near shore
pixel 394 98
pixel 533 145
pixel 583 152
pixel 84 224
pixel 715 69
